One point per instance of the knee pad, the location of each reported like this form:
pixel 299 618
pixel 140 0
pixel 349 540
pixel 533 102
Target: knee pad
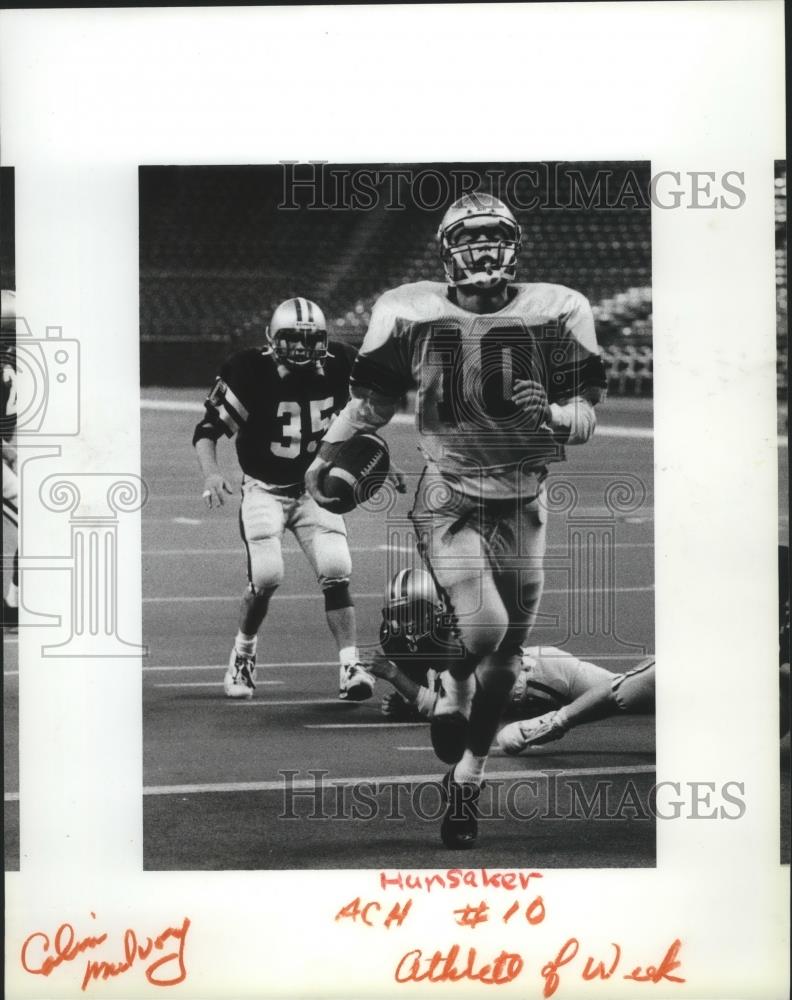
pixel 336 595
pixel 333 562
pixel 265 565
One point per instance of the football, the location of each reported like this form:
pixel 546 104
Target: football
pixel 358 472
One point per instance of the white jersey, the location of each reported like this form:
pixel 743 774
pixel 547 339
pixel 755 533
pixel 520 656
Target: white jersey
pixel 464 366
pixel 551 678
pixel 554 677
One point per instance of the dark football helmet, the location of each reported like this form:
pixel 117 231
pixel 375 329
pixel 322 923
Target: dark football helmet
pixel 479 242
pixel 417 631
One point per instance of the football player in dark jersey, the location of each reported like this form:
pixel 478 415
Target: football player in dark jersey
pixel 279 402
pixel 554 690
pixel 783 635
pixel 507 374
pixel 7 435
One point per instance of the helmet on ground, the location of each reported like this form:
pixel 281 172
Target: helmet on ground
pixel 416 629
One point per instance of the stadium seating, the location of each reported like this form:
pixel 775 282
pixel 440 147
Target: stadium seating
pixel 217 254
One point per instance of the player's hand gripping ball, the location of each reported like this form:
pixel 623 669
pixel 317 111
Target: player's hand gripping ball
pixel 531 398
pixel 358 471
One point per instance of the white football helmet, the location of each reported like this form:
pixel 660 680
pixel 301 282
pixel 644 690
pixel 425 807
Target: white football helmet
pixel 298 333
pixel 479 241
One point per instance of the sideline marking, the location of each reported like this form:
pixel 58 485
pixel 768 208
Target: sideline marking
pixel 354 548
pixel 613 430
pixel 400 419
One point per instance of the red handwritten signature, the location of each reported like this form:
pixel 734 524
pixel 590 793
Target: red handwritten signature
pixel 41 956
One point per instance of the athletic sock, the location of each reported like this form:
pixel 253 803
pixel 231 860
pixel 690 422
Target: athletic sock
pixel 348 656
pixel 245 645
pixel 458 693
pixel 470 770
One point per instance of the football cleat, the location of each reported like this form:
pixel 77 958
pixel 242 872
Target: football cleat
pixel 297 333
pixel 459 829
pixel 519 736
pixel 450 715
pixel 239 680
pixel 479 241
pixel 355 683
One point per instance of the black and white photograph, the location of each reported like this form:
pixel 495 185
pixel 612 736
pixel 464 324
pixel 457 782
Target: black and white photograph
pixel 10 523
pixel 365 646
pixel 782 344
pixel 402 452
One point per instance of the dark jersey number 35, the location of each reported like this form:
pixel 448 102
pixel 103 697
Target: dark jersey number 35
pixel 301 425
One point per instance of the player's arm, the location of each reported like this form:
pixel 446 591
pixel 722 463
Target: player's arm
pixel 581 377
pixel 630 693
pixel 220 419
pixel 380 376
pixel 416 694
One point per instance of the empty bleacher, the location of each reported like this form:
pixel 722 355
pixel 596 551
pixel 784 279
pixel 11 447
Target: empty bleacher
pixel 217 254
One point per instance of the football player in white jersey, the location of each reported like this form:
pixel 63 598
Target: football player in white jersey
pixel 554 690
pixel 506 374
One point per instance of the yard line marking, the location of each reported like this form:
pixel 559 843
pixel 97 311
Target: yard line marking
pixel 358 597
pixel 10 673
pixel 235 597
pixel 11 639
pixel 11 797
pixel 284 665
pixel 186 520
pixel 399 779
pixel 353 548
pixel 430 749
pixel 208 684
pixel 298 701
pixel 365 725
pixel 647 508
pixel 261 666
